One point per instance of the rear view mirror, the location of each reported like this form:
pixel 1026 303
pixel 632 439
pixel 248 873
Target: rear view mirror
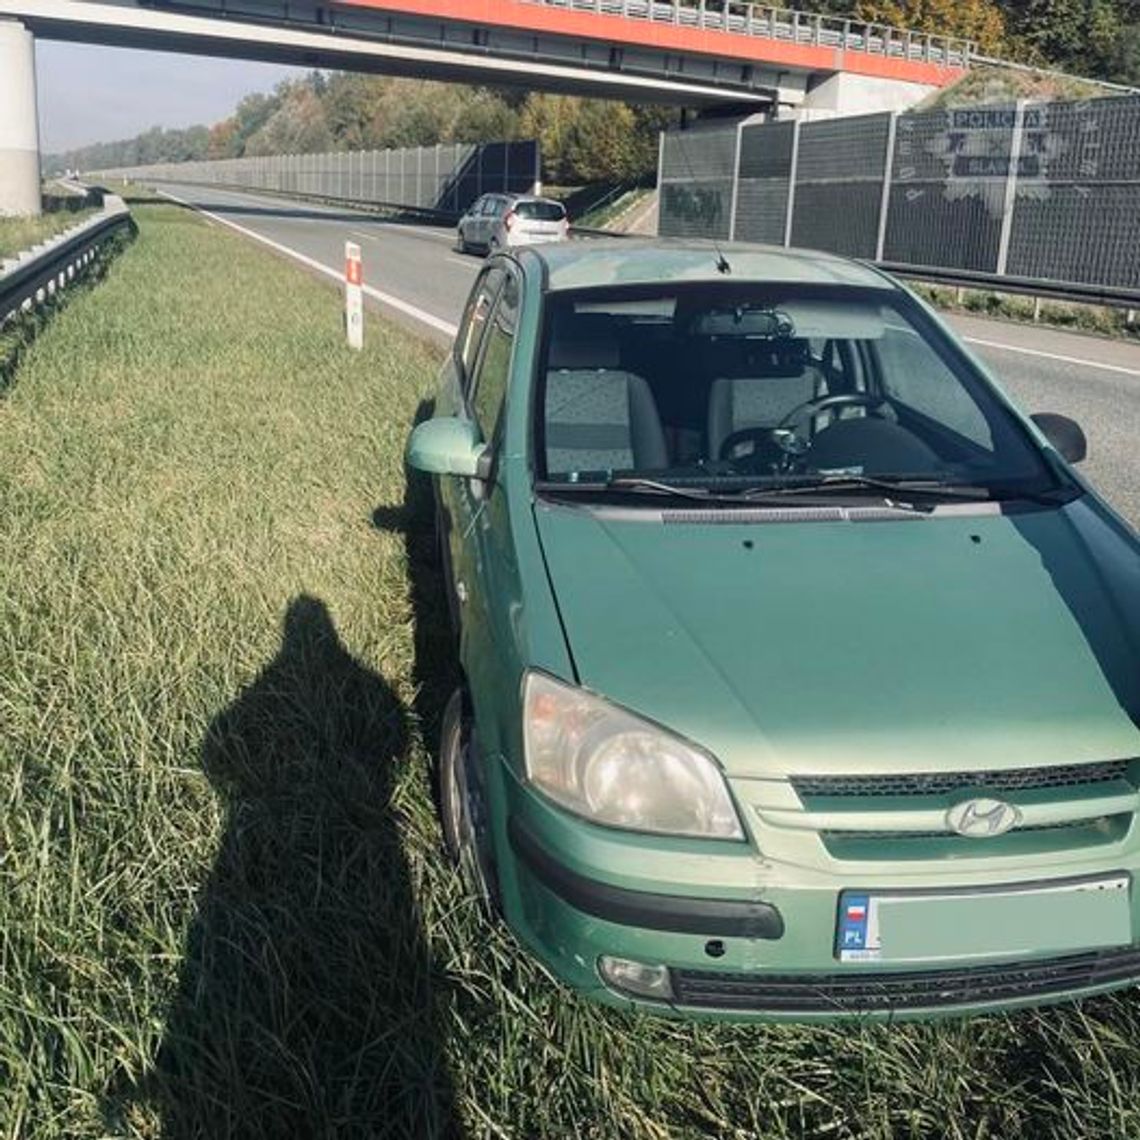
pixel 1064 434
pixel 448 446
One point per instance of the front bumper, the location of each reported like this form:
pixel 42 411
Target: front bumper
pixel 762 953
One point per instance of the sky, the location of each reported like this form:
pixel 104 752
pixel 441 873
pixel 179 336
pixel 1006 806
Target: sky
pixel 98 94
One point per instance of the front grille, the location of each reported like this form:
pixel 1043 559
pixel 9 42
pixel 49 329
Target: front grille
pixel 861 991
pixel 1104 823
pixel 940 783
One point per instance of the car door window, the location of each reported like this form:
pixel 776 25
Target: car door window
pixel 493 372
pixel 474 322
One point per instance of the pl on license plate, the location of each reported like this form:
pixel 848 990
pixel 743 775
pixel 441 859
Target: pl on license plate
pixel 857 938
pixel 1058 916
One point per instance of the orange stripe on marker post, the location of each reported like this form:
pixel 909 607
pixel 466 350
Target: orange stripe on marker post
pixel 353 295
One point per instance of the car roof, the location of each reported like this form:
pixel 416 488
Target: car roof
pixel 610 261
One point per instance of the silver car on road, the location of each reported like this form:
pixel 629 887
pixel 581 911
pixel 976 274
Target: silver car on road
pixel 500 221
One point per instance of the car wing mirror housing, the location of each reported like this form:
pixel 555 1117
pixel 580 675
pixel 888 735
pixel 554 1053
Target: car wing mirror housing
pixel 1064 434
pixel 449 445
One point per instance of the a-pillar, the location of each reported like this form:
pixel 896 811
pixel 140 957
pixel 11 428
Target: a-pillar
pixel 19 127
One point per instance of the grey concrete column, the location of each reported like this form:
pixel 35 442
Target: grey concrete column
pixel 19 127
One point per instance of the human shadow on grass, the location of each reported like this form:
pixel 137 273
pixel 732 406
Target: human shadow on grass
pixel 308 1006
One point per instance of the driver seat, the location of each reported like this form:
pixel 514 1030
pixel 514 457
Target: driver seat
pixel 771 386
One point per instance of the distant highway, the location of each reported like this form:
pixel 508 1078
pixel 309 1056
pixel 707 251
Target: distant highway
pixel 415 274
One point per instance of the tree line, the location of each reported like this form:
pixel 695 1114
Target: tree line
pixel 591 140
pixel 582 140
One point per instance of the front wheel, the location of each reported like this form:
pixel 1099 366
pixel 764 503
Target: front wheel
pixel 460 241
pixel 463 805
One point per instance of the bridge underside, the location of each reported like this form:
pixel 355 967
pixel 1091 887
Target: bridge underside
pixel 310 35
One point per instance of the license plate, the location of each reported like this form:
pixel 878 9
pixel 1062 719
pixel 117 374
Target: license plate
pixel 1031 919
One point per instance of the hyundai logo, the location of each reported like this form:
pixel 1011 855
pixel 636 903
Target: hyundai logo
pixel 982 819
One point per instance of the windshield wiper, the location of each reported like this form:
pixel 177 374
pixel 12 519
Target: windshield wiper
pixel 631 483
pixel 898 490
pixel 838 484
pixel 656 487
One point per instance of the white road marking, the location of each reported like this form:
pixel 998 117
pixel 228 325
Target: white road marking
pixel 1053 356
pixel 467 263
pixel 396 303
pixel 410 231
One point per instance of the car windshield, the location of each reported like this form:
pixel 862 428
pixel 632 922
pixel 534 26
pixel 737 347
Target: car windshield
pixel 537 211
pixel 747 386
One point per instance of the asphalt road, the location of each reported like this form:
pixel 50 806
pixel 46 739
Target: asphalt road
pixel 414 273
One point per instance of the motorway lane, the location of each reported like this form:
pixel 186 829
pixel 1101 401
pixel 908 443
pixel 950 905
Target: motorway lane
pixel 415 263
pixel 1092 379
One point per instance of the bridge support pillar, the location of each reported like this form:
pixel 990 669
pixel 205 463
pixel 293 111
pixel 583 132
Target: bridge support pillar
pixel 19 126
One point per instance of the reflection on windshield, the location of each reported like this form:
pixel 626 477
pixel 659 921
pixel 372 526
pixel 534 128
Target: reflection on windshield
pixel 766 388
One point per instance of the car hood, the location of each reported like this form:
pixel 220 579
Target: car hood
pixel 969 637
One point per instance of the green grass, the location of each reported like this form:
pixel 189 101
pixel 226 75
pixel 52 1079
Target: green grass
pixel 600 219
pixel 1099 319
pixel 223 907
pixel 18 234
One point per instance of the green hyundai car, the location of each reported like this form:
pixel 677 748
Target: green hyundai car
pixel 801 673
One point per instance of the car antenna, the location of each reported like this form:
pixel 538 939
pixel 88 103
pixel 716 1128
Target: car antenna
pixel 722 265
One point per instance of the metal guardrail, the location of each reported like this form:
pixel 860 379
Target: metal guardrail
pixel 785 24
pixel 31 278
pixel 1069 291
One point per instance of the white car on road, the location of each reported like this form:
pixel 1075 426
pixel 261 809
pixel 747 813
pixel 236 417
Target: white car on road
pixel 499 221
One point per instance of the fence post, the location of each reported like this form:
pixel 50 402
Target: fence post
pixel 885 197
pixel 419 175
pixel 735 182
pixel 1010 196
pixel 792 183
pixel 353 296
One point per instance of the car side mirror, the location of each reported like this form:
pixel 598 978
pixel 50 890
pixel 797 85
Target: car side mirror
pixel 448 445
pixel 1064 434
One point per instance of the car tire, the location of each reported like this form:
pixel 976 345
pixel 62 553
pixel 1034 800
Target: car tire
pixel 463 806
pixel 461 241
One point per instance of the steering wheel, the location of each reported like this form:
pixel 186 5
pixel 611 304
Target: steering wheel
pixel 784 435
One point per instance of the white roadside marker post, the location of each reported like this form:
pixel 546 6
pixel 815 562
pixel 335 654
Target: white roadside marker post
pixel 353 295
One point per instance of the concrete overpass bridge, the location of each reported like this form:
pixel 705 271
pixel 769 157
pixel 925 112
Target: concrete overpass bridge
pixel 695 53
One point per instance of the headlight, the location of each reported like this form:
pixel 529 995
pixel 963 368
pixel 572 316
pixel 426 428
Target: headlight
pixel 613 767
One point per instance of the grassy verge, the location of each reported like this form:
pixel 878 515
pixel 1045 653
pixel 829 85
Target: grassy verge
pixel 600 219
pixel 1099 319
pixel 18 234
pixel 223 911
